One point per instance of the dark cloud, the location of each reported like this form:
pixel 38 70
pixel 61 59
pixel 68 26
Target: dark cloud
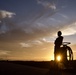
pixel 16 33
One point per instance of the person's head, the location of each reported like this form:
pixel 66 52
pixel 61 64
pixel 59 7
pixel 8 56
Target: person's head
pixel 59 33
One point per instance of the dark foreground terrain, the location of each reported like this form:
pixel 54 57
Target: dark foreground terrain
pixel 37 68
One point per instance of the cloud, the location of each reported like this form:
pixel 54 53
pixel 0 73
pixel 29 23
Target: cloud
pixel 31 43
pixel 25 45
pixel 46 40
pixel 55 20
pixel 2 52
pixel 6 14
pixel 41 13
pixel 64 16
pixel 28 31
pixel 70 29
pixel 47 4
pixel 36 42
pixel 32 31
pixel 3 29
pixel 5 25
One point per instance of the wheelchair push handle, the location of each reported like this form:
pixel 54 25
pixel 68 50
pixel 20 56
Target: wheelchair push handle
pixel 66 43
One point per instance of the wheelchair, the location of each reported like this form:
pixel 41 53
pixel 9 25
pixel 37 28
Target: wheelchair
pixel 65 53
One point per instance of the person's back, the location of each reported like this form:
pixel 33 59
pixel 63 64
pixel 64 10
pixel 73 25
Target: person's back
pixel 58 43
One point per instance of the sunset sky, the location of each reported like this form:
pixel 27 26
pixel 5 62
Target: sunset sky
pixel 28 28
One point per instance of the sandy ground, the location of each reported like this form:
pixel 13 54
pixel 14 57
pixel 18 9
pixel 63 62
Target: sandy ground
pixel 16 69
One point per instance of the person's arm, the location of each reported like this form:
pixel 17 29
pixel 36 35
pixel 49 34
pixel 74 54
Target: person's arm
pixel 55 41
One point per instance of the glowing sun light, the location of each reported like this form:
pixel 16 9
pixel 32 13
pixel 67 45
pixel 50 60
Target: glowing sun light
pixel 58 58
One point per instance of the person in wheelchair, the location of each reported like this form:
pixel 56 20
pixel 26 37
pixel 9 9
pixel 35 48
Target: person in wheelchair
pixel 61 49
pixel 58 43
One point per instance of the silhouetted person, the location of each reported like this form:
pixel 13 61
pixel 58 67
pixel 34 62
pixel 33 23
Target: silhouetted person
pixel 58 43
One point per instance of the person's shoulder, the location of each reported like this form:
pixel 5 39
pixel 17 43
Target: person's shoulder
pixel 61 36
